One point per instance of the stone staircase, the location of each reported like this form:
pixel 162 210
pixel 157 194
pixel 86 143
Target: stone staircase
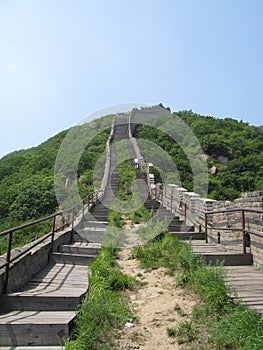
pixel 42 312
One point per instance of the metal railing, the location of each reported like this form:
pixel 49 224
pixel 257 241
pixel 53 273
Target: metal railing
pixel 183 210
pixel 84 204
pixel 245 231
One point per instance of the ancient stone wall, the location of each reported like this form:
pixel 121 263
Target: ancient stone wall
pixel 225 227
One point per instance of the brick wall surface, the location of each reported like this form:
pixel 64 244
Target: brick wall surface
pixel 191 207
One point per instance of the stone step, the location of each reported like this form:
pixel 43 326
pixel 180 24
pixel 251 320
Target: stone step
pixel 35 328
pixel 74 259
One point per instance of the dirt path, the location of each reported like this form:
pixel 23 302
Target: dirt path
pixel 155 304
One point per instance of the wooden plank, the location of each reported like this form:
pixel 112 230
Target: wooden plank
pixel 37 317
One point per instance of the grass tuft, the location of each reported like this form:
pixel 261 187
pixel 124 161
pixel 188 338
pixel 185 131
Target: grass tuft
pixel 105 308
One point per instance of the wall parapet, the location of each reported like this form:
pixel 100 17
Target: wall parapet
pixel 224 227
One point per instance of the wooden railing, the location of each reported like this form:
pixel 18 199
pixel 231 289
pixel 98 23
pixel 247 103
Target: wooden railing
pixel 73 214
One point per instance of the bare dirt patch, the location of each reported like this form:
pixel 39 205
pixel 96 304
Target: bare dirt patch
pixel 156 303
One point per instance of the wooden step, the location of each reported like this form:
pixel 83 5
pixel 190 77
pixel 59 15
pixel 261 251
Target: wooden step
pixel 189 235
pixel 35 328
pixel 245 283
pixel 180 228
pixel 214 253
pixel 82 249
pixel 94 236
pixel 94 224
pixel 149 205
pixel 33 348
pixel 74 259
pixel 45 302
pixel 99 217
pixel 228 259
pixel 57 287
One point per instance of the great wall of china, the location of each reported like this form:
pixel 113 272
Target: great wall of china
pixel 48 272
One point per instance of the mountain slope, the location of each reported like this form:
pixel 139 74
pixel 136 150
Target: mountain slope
pixel 27 176
pixel 233 148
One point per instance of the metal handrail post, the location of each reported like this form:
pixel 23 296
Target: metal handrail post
pixel 53 234
pixel 72 224
pixel 206 238
pixel 83 210
pixel 244 231
pixel 8 257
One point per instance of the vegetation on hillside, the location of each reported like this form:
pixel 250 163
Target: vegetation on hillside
pixel 235 148
pixel 27 189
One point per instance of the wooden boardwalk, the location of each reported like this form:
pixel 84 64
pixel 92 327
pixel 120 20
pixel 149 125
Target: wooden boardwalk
pixel 243 280
pixel 245 283
pixel 41 314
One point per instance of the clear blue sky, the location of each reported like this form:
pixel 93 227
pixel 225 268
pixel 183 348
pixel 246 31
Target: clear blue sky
pixel 61 60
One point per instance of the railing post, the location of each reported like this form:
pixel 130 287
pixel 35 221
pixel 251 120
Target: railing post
pixel 72 224
pixel 8 257
pixel 244 231
pixel 83 210
pixel 53 234
pixel 206 238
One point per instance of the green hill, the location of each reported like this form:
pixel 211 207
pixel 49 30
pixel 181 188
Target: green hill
pixel 233 148
pixel 27 176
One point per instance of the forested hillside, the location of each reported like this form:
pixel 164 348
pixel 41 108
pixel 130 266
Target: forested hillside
pixel 234 151
pixel 234 148
pixel 27 177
